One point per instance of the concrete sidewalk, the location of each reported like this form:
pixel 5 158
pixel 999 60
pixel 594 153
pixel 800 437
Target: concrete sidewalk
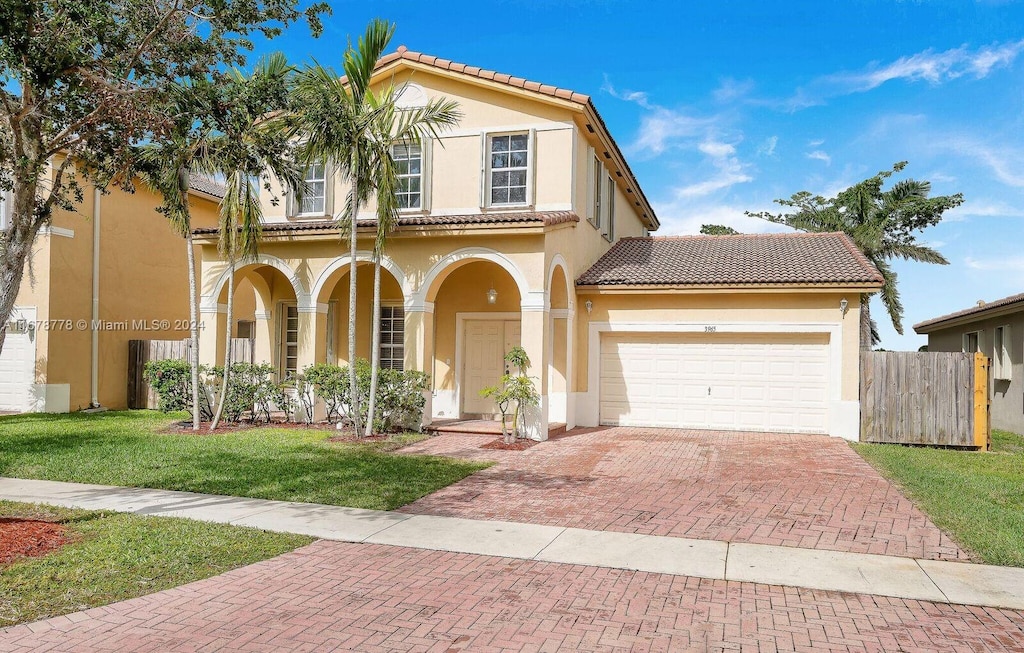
pixel 906 578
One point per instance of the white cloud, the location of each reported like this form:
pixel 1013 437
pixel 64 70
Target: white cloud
pixel 933 67
pixel 983 209
pixel 817 142
pixel 660 127
pixel 684 216
pixel 928 66
pixel 729 170
pixel 819 155
pixel 767 148
pixel 1001 264
pixel 731 89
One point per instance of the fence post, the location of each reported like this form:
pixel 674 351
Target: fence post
pixel 982 416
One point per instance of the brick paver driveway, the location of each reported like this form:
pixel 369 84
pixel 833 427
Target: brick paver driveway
pixel 333 596
pixel 792 490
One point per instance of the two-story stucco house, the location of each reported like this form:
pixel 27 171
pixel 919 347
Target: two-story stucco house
pixel 996 329
pixel 525 225
pixel 108 272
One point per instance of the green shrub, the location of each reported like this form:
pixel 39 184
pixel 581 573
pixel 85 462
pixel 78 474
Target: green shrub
pixel 250 389
pixel 399 403
pixel 171 379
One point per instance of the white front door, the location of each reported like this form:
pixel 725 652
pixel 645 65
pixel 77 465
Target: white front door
pixel 755 382
pixel 17 362
pixel 486 343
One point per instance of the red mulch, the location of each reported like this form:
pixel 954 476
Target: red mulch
pixel 29 538
pixel 518 445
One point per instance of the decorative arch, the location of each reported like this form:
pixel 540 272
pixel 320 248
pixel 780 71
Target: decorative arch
pixel 558 261
pixel 298 286
pixel 362 256
pixel 430 285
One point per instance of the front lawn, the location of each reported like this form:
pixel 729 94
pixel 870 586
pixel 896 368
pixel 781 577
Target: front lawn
pixel 976 497
pixel 288 464
pixel 115 556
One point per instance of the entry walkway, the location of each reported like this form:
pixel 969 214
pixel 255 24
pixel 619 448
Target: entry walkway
pixel 900 577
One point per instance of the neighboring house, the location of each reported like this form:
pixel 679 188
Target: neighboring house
pixel 996 329
pixel 140 292
pixel 525 225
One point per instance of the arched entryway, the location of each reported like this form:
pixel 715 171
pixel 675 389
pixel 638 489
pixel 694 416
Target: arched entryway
pixel 561 314
pixel 477 319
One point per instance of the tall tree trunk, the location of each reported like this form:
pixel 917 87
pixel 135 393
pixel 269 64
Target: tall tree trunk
pixel 375 347
pixel 226 379
pixel 865 323
pixel 15 250
pixel 352 385
pixel 193 298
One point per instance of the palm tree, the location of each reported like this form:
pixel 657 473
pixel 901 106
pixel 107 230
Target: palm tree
pixel 883 225
pixel 343 121
pixel 391 127
pixel 250 142
pixel 165 168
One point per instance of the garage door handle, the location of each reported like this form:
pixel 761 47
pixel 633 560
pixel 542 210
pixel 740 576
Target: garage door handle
pixel 709 391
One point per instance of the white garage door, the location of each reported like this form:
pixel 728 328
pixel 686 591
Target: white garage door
pixel 756 382
pixel 17 363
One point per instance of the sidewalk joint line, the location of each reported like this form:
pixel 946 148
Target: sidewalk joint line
pixel 932 581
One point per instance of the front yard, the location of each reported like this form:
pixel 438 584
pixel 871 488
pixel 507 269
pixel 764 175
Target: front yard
pixel 288 464
pixel 111 557
pixel 978 498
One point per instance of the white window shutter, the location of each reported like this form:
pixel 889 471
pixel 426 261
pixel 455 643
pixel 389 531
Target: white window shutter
pixel 329 188
pixel 278 328
pixel 531 178
pixel 591 164
pixel 426 172
pixel 485 201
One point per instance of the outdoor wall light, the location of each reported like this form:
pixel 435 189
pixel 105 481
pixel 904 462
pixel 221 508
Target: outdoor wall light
pixel 492 296
pixel 843 305
pixel 590 306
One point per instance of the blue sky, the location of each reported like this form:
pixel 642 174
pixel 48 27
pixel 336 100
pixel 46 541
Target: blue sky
pixel 723 107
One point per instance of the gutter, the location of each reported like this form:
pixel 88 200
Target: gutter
pixel 94 372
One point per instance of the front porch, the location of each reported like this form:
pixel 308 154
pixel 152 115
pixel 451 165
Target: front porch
pixel 488 427
pixel 453 316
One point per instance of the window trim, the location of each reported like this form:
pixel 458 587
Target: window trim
pixel 284 342
pixel 392 305
pixel 297 208
pixel 422 208
pixel 977 338
pixel 486 170
pixel 1002 364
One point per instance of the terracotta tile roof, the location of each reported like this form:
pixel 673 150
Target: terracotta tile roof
pixel 545 218
pixel 754 259
pixel 974 310
pixel 502 78
pixel 206 186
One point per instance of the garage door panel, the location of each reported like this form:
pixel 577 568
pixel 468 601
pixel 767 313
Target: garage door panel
pixel 773 382
pixel 17 362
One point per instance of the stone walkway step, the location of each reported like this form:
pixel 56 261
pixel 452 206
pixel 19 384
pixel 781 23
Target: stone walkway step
pixel 906 578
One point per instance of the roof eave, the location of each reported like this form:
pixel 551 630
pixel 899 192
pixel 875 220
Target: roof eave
pixel 856 287
pixel 926 327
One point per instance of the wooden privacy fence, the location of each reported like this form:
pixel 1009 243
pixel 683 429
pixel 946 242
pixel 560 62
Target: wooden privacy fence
pixel 140 352
pixel 936 398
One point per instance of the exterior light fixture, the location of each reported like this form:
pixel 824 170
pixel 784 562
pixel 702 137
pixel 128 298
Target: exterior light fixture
pixel 590 306
pixel 492 296
pixel 843 305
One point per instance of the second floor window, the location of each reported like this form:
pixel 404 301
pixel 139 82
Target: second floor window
pixel 409 162
pixel 509 165
pixel 314 199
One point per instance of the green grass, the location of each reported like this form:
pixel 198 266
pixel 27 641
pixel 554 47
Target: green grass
pixel 976 497
pixel 127 448
pixel 114 557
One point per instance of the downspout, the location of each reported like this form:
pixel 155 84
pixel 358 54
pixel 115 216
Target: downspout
pixel 94 378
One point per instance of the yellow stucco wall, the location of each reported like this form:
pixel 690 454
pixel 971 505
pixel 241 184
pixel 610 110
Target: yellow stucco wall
pixel 143 277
